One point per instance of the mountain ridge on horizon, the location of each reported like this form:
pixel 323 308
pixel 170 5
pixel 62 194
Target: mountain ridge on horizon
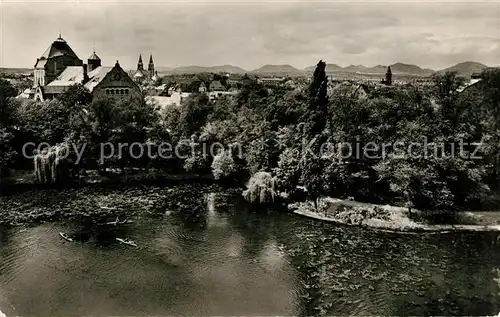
pixel 465 68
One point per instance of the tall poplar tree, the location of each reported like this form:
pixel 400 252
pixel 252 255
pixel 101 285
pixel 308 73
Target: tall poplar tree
pixel 315 121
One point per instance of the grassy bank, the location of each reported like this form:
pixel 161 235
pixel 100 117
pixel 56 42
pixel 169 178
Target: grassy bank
pixel 392 218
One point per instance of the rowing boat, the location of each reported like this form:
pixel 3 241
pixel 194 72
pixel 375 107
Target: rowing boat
pixel 118 222
pixel 127 241
pixel 65 237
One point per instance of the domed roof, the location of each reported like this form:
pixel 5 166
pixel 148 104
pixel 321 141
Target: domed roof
pixel 58 48
pixel 94 56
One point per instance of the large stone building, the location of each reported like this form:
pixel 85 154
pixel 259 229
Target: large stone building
pixel 59 67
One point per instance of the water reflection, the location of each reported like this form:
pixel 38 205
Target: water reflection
pixel 204 252
pixel 185 263
pixel 364 273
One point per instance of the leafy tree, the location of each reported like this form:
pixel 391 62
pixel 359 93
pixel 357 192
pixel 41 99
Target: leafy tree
pixel 288 171
pixel 446 92
pixel 223 165
pixel 6 152
pixel 6 92
pixel 76 95
pixel 7 122
pixel 194 114
pixel 46 121
pixel 490 105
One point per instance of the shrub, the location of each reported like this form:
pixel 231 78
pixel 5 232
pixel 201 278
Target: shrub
pixel 223 165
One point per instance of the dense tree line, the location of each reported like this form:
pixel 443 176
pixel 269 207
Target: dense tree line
pixel 279 136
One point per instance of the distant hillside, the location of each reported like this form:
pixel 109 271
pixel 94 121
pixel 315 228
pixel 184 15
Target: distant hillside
pixel 277 70
pixel 356 69
pixel 466 68
pixel 208 69
pixel 163 69
pixel 15 70
pixel 400 68
pixel 329 68
pixel 379 69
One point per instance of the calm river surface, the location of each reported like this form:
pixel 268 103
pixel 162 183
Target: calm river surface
pixel 202 251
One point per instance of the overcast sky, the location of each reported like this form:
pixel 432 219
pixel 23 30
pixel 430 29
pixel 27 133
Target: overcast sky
pixel 252 33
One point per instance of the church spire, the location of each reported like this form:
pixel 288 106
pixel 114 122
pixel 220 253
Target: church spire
pixel 151 66
pixel 140 66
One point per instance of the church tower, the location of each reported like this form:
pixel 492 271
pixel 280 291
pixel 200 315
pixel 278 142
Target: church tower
pixel 151 66
pixel 93 62
pixel 140 66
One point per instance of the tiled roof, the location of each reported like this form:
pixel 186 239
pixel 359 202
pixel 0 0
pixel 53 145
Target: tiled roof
pixel 54 89
pixel 40 63
pixel 160 101
pixel 26 93
pixel 468 84
pixel 141 73
pixel 96 76
pixel 70 76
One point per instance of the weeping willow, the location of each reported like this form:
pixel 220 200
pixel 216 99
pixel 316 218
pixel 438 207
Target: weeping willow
pixel 260 188
pixel 50 165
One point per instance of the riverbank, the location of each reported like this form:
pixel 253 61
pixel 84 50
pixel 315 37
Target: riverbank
pixel 20 180
pixel 20 177
pixel 392 218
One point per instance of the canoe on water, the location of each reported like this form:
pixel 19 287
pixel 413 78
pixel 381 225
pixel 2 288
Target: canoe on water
pixel 117 222
pixel 65 237
pixel 126 241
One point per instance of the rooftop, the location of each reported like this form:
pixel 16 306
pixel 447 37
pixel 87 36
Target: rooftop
pixel 468 84
pixel 94 56
pixel 96 76
pixel 58 48
pixel 71 75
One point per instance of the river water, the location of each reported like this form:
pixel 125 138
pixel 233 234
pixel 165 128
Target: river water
pixel 203 251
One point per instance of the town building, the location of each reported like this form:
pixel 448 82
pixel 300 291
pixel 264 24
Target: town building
pixel 59 68
pixel 202 88
pixel 216 85
pixel 175 98
pixel 362 91
pixel 473 83
pixel 271 81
